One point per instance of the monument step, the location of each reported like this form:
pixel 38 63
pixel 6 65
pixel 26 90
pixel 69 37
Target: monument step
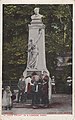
pixel 21 105
pixel 24 105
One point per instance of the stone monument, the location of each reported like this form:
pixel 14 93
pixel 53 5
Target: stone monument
pixel 36 47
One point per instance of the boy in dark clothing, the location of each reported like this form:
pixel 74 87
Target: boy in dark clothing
pixel 21 87
pixel 45 91
pixel 35 90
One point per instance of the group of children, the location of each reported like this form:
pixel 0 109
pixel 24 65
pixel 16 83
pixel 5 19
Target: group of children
pixel 35 84
pixel 39 91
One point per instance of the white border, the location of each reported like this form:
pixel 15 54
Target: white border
pixel 0 58
pixel 37 1
pixel 73 59
pixel 48 117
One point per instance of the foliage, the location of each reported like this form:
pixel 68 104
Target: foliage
pixel 58 33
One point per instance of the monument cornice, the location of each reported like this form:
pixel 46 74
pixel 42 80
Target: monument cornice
pixel 35 26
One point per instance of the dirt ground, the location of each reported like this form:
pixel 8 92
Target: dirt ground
pixel 60 104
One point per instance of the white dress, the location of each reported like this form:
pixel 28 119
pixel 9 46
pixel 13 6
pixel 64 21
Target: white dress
pixel 7 101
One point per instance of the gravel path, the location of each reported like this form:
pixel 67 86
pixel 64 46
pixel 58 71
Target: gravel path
pixel 60 104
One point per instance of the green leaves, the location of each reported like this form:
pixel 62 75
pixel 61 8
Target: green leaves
pixel 16 49
pixel 58 32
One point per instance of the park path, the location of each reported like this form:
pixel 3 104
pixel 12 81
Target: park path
pixel 60 104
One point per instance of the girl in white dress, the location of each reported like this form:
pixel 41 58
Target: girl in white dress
pixel 7 101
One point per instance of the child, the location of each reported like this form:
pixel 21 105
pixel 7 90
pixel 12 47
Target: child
pixel 7 101
pixel 45 91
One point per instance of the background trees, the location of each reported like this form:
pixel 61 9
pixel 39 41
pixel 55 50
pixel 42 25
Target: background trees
pixel 58 34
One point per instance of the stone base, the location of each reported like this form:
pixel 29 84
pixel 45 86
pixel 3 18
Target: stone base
pixel 28 72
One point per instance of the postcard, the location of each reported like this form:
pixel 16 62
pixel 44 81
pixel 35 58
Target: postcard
pixel 37 59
